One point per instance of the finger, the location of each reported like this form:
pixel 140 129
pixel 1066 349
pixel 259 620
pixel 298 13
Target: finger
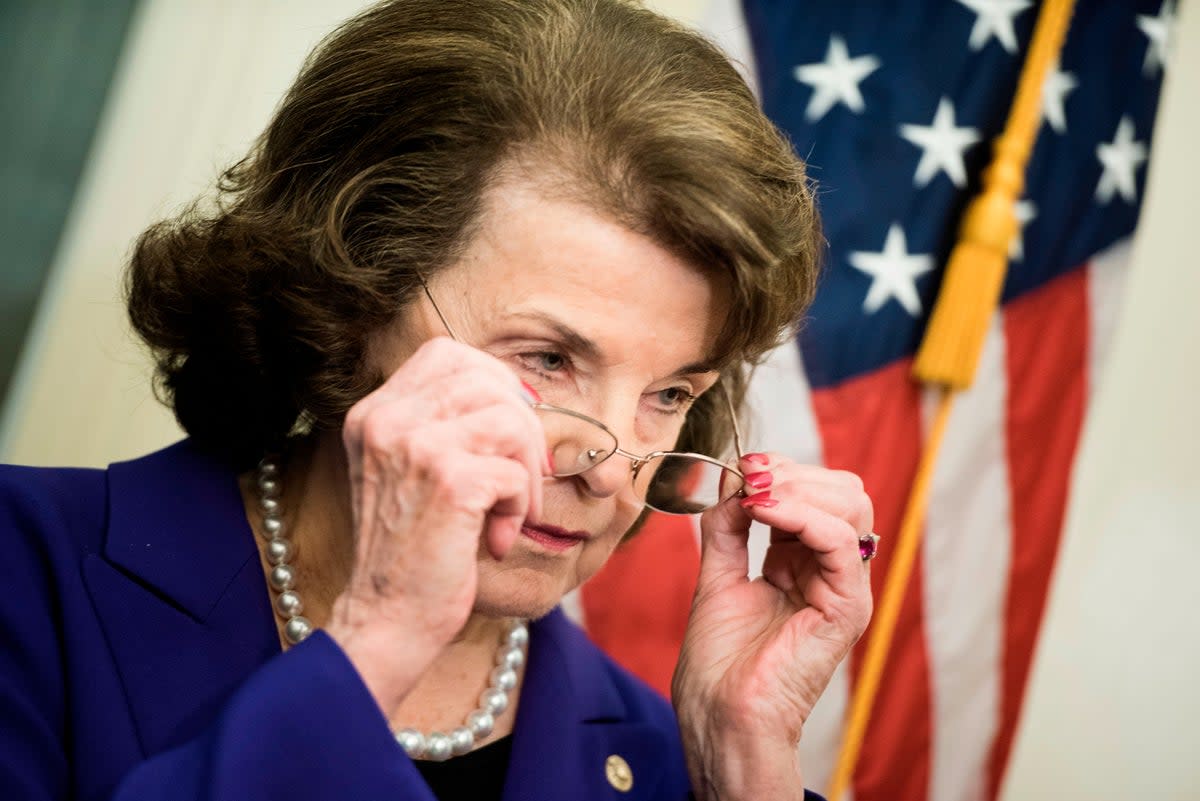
pixel 724 558
pixel 512 502
pixel 832 541
pixel 838 492
pixel 509 429
pixel 442 357
pixel 786 565
pixel 445 396
pixel 832 498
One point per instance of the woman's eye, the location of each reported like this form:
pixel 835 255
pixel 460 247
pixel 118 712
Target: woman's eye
pixel 674 399
pixel 551 362
pixel 544 362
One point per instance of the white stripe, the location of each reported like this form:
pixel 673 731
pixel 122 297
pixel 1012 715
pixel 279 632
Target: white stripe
pixel 967 552
pixel 822 737
pixel 782 420
pixel 1107 273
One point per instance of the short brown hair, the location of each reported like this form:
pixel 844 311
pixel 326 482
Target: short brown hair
pixel 258 310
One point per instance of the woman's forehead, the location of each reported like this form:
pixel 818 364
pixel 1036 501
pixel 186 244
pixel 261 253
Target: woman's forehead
pixel 534 256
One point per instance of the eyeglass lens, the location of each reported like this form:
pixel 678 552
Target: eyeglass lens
pixel 672 483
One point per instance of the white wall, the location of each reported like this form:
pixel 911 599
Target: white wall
pixel 196 84
pixel 1113 707
pixel 1113 702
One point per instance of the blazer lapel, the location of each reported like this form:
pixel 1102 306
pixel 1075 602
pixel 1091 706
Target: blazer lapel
pixel 179 591
pixel 572 719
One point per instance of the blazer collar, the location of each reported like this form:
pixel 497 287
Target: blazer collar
pixel 178 524
pixel 573 717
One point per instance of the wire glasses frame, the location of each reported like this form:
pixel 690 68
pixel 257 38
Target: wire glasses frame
pixel 680 483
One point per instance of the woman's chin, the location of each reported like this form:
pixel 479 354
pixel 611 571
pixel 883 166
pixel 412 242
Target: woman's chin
pixel 524 593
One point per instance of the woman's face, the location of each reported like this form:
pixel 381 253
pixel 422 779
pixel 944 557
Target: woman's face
pixel 597 319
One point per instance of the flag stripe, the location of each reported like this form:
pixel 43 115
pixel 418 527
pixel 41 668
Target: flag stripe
pixel 1047 337
pixel 888 404
pixel 782 420
pixel 966 570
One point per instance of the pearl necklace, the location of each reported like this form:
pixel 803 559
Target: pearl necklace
pixel 436 746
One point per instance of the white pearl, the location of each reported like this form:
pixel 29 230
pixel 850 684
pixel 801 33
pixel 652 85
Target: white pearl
pixel 297 630
pixel 493 700
pixel 412 741
pixel 438 747
pixel 504 678
pixel 435 746
pixel 518 636
pixel 462 740
pixel 278 551
pixel 289 604
pixel 481 723
pixel 283 577
pixel 511 657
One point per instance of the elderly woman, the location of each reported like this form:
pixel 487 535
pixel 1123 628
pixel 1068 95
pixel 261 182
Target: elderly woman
pixel 488 287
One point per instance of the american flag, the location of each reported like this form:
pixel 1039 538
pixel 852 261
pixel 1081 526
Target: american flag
pixel 894 104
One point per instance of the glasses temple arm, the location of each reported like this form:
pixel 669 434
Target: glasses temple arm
pixel 437 310
pixel 733 419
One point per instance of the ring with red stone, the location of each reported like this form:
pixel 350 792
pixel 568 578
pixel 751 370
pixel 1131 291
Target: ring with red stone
pixel 868 545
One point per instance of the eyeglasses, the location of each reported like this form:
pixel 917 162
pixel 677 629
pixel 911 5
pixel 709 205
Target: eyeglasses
pixel 666 481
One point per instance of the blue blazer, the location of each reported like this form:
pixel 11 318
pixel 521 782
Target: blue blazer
pixel 139 659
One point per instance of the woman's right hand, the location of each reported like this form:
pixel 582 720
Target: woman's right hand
pixel 444 453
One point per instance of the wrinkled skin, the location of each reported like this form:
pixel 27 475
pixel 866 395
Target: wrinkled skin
pixel 443 464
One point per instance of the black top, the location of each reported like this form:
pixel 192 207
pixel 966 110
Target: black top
pixel 476 776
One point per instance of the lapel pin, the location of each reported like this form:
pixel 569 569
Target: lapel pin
pixel 617 771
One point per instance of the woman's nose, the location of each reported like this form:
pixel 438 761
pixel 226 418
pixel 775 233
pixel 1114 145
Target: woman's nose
pixel 609 477
pixel 616 472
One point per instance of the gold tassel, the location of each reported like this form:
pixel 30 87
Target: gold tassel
pixel 970 292
pixel 951 347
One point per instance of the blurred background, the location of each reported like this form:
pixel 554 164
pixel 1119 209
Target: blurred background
pixel 116 114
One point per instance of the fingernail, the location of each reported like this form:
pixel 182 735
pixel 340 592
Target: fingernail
pixel 530 393
pixel 759 480
pixel 758 458
pixel 762 499
pixel 550 461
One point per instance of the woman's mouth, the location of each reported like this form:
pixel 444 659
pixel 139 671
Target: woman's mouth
pixel 553 537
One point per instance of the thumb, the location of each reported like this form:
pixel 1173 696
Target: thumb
pixel 724 558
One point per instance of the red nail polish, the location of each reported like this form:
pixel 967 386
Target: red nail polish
pixel 759 480
pixel 531 393
pixel 762 499
pixel 758 458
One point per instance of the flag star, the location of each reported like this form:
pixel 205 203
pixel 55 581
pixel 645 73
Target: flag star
pixel 942 144
pixel 995 18
pixel 1058 85
pixel 1158 31
pixel 1120 159
pixel 894 272
pixel 835 80
pixel 1026 212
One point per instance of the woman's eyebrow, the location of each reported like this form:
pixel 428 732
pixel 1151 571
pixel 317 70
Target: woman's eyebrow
pixel 574 340
pixel 588 349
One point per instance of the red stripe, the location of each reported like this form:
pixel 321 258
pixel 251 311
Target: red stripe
pixel 871 425
pixel 1046 336
pixel 636 608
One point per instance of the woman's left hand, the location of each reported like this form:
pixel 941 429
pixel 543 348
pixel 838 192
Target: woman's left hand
pixel 758 654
